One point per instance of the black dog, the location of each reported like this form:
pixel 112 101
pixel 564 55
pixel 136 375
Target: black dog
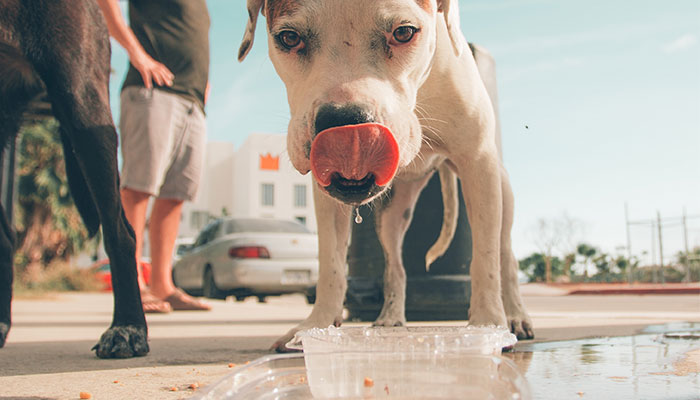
pixel 63 47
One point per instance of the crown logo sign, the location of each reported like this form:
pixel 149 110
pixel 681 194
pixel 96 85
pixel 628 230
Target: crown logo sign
pixel 269 162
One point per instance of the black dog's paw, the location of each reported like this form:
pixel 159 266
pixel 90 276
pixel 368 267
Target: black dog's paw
pixel 123 342
pixel 4 329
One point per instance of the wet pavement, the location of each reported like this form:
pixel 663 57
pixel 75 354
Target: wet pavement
pixel 663 363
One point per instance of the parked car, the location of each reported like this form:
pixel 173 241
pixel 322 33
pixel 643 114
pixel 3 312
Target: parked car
pixel 103 273
pixel 182 245
pixel 244 257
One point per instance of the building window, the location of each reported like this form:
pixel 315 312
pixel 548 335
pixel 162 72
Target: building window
pixel 301 219
pixel 267 194
pixel 299 195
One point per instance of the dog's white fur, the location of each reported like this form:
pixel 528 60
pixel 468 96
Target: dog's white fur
pixel 431 96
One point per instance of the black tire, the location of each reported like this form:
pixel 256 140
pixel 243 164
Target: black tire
pixel 209 288
pixel 311 295
pixel 172 275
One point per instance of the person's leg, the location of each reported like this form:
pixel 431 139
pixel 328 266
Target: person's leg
pixel 162 230
pixel 146 126
pixel 135 205
pixel 180 184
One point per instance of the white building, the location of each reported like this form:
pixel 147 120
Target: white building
pixel 257 180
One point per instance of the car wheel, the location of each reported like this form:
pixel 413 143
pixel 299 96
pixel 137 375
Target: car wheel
pixel 210 290
pixel 311 295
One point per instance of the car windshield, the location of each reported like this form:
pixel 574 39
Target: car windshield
pixel 264 225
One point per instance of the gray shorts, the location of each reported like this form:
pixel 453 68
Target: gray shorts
pixel 162 143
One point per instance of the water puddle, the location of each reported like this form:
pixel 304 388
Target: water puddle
pixel 662 363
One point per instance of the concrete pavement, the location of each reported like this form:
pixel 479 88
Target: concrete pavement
pixel 48 352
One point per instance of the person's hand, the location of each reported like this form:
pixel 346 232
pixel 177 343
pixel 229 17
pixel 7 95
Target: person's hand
pixel 151 70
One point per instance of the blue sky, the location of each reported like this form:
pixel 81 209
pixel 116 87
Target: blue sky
pixel 609 92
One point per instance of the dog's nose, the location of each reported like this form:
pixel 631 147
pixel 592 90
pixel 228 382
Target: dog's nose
pixel 353 161
pixel 332 115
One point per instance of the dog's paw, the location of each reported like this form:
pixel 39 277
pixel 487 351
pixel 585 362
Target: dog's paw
pixel 389 319
pixel 4 329
pixel 280 345
pixel 393 312
pixel 519 321
pixel 388 322
pixel 521 327
pixel 484 317
pixel 123 342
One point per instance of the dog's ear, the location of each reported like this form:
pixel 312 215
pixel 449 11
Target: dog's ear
pixel 254 9
pixel 450 11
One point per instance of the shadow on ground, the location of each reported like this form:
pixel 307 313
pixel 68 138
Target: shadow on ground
pixel 57 357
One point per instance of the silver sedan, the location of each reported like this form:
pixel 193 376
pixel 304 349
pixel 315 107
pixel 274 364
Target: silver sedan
pixel 249 257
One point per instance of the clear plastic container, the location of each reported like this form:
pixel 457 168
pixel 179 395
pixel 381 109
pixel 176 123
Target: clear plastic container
pixel 407 362
pixel 444 377
pixel 383 363
pixel 424 340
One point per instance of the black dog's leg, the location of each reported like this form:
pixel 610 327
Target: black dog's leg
pixel 6 275
pixel 76 75
pixel 18 85
pixel 94 157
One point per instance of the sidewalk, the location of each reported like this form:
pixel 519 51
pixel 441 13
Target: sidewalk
pixel 562 289
pixel 48 351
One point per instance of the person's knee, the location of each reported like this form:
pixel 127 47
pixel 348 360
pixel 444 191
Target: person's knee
pixel 168 202
pixel 134 196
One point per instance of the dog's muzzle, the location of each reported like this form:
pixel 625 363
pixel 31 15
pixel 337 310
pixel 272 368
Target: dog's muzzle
pixel 354 162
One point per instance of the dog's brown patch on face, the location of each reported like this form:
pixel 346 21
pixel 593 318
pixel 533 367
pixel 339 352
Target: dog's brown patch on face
pixel 277 8
pixel 427 5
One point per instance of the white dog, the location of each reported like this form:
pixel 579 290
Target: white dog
pixel 382 93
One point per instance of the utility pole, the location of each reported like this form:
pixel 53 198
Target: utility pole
pixel 661 248
pixel 657 225
pixel 630 275
pixel 686 279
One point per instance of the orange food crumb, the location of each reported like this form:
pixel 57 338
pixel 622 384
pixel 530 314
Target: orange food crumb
pixel 173 389
pixel 369 382
pixel 115 381
pixel 231 365
pixel 194 386
pixel 85 395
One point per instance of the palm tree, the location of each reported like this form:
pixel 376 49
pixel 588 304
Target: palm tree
pixel 588 252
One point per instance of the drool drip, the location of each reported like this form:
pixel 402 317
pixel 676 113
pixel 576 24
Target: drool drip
pixel 358 217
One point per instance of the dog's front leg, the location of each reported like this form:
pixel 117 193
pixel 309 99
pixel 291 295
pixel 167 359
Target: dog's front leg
pixel 333 232
pixel 481 187
pixel 518 319
pixel 393 219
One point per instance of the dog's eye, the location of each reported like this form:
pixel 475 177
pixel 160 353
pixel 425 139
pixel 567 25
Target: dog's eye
pixel 404 34
pixel 289 39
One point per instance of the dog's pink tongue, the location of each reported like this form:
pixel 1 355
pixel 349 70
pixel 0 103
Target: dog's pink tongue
pixel 354 151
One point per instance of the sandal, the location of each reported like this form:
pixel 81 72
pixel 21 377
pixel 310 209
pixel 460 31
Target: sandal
pixel 154 305
pixel 180 301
